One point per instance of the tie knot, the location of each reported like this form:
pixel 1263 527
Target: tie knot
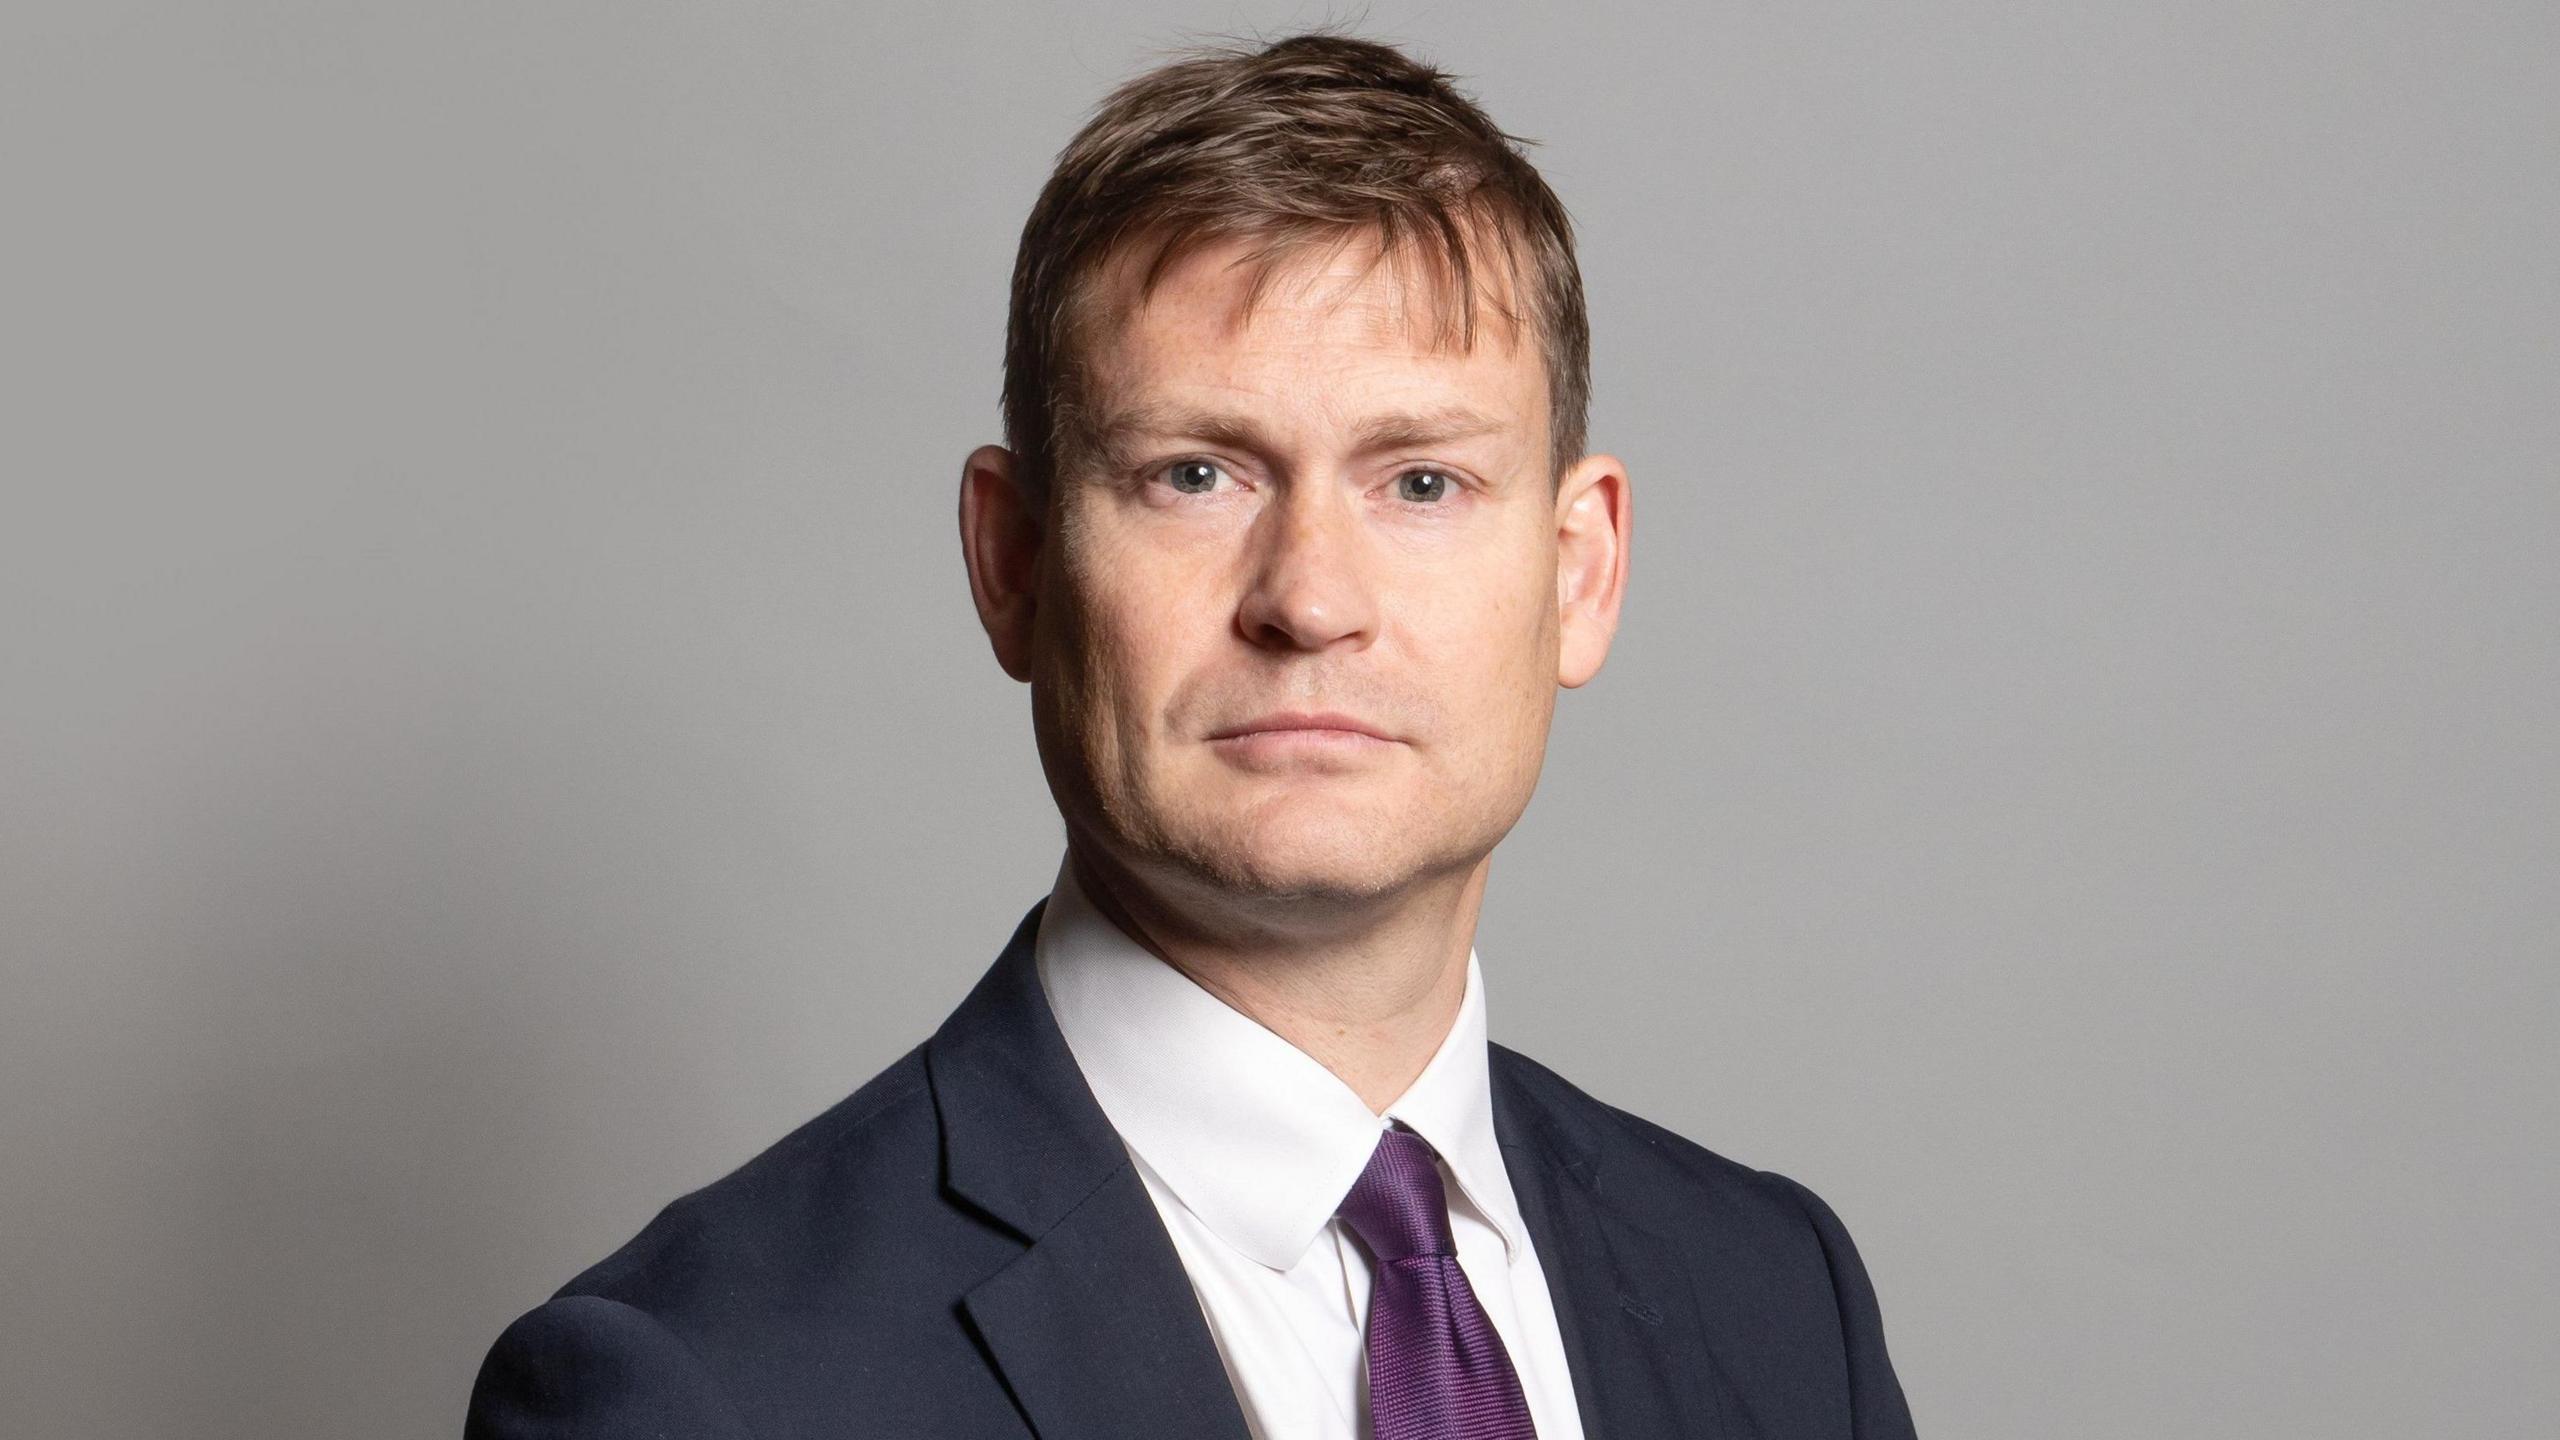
pixel 1397 1207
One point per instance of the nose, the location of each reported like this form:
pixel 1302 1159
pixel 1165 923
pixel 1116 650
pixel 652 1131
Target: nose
pixel 1310 586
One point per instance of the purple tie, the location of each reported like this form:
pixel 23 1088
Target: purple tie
pixel 1437 1370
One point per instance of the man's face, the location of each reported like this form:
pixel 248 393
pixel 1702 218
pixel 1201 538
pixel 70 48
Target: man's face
pixel 1295 630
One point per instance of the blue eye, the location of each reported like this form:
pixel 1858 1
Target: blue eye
pixel 1193 477
pixel 1423 486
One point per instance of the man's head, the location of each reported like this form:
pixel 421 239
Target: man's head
pixel 1295 383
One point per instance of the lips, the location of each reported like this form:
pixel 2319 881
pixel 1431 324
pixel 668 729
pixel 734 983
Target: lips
pixel 1302 720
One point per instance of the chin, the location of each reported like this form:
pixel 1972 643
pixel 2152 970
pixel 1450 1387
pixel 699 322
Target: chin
pixel 1324 860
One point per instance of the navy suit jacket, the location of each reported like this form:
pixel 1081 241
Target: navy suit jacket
pixel 964 1249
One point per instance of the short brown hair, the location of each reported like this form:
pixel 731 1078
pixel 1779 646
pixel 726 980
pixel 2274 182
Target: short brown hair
pixel 1314 139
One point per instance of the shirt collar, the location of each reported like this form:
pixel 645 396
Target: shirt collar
pixel 1254 1135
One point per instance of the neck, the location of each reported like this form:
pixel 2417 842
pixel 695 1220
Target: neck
pixel 1368 990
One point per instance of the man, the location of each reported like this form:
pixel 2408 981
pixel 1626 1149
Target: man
pixel 1294 540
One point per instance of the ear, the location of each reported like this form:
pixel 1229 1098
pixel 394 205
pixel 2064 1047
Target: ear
pixel 1595 521
pixel 1000 539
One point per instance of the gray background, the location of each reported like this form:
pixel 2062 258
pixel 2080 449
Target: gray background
pixel 495 731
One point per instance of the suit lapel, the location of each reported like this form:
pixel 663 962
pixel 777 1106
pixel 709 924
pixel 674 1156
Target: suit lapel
pixel 1633 1337
pixel 1094 1327
pixel 1098 1332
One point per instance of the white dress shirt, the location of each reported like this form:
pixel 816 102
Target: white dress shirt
pixel 1246 1144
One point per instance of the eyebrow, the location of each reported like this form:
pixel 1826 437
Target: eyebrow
pixel 1114 435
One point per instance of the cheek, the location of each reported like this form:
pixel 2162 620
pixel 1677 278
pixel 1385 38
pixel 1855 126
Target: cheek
pixel 1139 615
pixel 1497 664
pixel 1497 606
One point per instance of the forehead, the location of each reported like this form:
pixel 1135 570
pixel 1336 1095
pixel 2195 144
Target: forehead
pixel 1332 323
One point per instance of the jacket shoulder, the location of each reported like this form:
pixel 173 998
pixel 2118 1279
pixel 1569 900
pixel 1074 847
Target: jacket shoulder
pixel 1650 1168
pixel 836 1241
pixel 1780 1282
pixel 851 1192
